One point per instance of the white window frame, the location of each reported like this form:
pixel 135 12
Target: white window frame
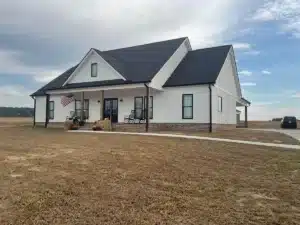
pixel 220 104
pixel 95 66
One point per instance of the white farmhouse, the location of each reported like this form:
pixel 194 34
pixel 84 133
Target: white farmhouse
pixel 164 86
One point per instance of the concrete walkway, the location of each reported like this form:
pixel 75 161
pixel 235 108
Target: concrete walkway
pixel 292 133
pixel 192 137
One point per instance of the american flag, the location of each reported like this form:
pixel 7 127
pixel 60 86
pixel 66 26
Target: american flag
pixel 65 100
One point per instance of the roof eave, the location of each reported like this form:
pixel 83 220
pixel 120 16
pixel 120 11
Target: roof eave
pixel 192 84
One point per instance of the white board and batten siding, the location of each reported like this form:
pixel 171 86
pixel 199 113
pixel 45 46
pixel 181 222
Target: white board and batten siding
pixel 168 68
pixel 83 72
pixel 167 104
pixel 40 110
pixel 227 87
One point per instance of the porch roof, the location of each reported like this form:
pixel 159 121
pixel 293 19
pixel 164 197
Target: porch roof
pixel 243 102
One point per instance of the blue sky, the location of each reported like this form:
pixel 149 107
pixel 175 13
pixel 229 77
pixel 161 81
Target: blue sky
pixel 40 39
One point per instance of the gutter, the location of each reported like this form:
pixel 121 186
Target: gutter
pixel 210 108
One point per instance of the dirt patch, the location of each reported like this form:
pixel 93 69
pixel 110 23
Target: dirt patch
pixel 15 158
pixel 16 175
pixel 37 169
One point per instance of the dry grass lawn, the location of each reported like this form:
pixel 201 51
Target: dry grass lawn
pixel 267 124
pixel 15 121
pixel 51 177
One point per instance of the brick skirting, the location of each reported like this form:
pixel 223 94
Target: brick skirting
pixel 153 127
pixel 189 127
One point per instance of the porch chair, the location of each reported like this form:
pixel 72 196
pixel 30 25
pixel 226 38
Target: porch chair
pixel 130 117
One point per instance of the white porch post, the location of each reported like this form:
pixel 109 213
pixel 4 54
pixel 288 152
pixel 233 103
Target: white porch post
pixel 82 107
pixel 101 105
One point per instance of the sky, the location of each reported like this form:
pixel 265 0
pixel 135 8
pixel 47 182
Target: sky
pixel 41 39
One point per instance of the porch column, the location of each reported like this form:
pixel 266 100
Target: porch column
pixel 246 116
pixel 82 107
pixel 101 105
pixel 147 108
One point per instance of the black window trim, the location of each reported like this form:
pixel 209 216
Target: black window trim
pixel 93 64
pixel 51 110
pixel 220 110
pixel 84 109
pixel 192 106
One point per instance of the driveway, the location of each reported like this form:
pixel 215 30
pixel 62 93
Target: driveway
pixel 293 133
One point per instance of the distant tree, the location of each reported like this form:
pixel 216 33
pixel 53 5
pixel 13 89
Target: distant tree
pixel 16 112
pixel 276 119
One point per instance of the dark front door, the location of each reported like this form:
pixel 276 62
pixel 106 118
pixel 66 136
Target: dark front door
pixel 111 109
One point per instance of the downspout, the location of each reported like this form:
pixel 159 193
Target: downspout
pixel 210 109
pixel 47 110
pixel 147 108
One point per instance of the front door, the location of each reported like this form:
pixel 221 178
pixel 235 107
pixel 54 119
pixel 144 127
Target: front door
pixel 111 109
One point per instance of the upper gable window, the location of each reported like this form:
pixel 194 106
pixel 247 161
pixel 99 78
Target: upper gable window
pixel 94 69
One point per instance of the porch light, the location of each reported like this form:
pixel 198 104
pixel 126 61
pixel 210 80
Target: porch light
pixel 121 99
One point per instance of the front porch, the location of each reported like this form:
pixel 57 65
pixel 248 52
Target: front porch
pixel 121 105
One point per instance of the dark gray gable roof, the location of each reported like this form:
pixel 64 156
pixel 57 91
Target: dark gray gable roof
pixel 141 63
pixel 200 66
pixel 136 64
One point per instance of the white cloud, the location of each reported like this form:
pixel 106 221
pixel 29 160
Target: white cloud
pixel 285 12
pixel 252 52
pixel 118 23
pixel 246 48
pixel 248 84
pixel 266 72
pixel 245 73
pixel 263 15
pixel 242 46
pixel 56 32
pixel 10 64
pixel 296 95
pixel 265 103
pixel 15 95
pixel 47 76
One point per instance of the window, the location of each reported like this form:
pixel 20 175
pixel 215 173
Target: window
pixel 85 108
pixel 138 107
pixel 187 106
pixel 94 68
pixel 220 104
pixel 51 110
pixel 150 106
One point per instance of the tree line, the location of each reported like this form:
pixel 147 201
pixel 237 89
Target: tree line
pixel 16 112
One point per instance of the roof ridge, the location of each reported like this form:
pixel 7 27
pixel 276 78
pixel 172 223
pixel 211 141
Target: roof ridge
pixel 145 44
pixel 218 46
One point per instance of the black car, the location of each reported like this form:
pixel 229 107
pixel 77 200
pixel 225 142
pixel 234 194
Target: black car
pixel 289 122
